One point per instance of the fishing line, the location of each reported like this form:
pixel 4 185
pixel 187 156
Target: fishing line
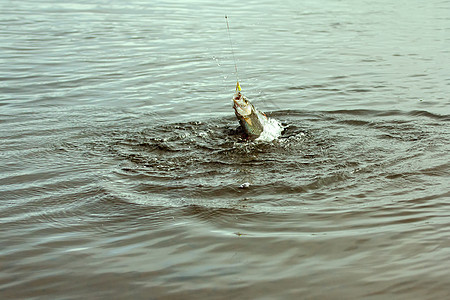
pixel 232 50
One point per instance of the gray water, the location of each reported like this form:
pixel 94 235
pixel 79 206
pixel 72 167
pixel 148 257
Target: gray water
pixel 121 165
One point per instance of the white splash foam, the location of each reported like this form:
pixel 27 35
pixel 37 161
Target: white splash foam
pixel 272 130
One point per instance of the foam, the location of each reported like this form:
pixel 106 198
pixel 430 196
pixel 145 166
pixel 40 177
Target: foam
pixel 272 130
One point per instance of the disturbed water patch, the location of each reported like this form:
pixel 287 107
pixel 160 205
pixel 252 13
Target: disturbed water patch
pixel 331 152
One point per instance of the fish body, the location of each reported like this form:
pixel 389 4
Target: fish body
pixel 251 120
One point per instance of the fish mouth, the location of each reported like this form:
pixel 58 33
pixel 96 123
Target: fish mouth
pixel 241 105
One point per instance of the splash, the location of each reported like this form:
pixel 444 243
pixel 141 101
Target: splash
pixel 272 130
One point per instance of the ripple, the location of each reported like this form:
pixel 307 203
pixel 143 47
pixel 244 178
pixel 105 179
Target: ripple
pixel 121 160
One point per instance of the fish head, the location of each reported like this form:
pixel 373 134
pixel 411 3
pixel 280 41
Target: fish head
pixel 242 107
pixel 247 115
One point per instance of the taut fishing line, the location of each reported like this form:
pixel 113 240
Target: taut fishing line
pixel 232 51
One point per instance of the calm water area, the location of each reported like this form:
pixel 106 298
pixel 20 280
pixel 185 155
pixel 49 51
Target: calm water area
pixel 121 167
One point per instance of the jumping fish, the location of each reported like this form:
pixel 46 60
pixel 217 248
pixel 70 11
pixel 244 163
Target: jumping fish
pixel 255 124
pixel 251 120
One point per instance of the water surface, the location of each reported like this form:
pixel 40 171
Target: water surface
pixel 121 164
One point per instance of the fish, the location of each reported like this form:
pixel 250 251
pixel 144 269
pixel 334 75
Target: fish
pixel 250 119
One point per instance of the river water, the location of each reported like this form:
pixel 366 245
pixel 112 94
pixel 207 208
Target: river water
pixel 121 167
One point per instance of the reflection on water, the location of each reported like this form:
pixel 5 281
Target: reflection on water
pixel 121 164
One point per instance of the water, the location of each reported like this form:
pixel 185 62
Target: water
pixel 121 167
